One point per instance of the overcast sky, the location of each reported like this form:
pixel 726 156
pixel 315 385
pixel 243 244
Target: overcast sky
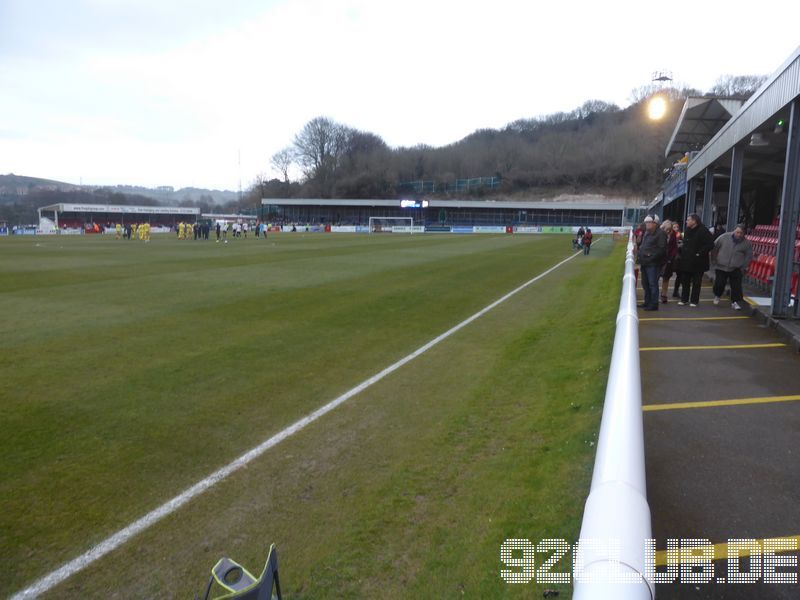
pixel 173 92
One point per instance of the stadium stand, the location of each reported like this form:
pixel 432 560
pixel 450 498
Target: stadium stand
pixel 761 273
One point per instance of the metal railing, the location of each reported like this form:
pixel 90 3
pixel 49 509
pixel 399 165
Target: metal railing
pixel 616 518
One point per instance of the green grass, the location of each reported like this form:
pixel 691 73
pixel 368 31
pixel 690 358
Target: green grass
pixel 130 371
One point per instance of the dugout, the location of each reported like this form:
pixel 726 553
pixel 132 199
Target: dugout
pixel 84 217
pixel 738 161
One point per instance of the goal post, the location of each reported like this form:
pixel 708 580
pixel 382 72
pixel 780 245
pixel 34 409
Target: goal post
pixel 391 225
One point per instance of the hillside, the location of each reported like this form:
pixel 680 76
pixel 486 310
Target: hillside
pixel 20 196
pixel 597 148
pixel 20 185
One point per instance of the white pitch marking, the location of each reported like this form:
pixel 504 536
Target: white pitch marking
pixel 123 535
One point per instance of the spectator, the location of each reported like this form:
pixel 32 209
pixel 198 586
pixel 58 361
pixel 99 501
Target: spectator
pixel 693 259
pixel 579 237
pixel 637 241
pixel 733 252
pixel 672 255
pixel 587 241
pixel 637 236
pixel 676 228
pixel 652 253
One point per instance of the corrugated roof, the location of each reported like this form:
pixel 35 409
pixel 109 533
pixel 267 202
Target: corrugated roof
pixel 121 209
pixel 700 120
pixel 778 91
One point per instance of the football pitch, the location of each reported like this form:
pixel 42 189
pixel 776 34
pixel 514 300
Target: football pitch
pixel 130 371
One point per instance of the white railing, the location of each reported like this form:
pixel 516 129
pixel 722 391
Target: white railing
pixel 616 518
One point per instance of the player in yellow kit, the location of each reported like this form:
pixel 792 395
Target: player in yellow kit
pixel 189 231
pixel 134 230
pixel 119 231
pixel 147 232
pixel 181 230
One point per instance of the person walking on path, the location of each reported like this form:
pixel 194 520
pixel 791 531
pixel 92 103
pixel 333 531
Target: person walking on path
pixel 672 255
pixel 693 259
pixel 652 254
pixel 579 238
pixel 587 241
pixel 732 253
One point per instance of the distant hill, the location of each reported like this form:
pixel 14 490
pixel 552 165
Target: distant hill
pixel 21 196
pixel 20 185
pixel 598 148
pixel 168 195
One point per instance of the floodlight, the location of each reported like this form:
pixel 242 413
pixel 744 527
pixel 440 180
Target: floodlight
pixel 657 108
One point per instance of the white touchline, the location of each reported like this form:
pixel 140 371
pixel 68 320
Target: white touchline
pixel 123 535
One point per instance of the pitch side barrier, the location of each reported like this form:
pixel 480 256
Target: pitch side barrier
pixel 610 561
pixel 524 229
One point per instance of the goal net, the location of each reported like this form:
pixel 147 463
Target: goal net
pixel 391 225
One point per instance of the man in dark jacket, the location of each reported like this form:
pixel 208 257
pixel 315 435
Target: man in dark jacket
pixel 652 254
pixel 693 258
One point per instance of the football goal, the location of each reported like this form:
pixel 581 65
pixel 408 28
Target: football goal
pixel 391 225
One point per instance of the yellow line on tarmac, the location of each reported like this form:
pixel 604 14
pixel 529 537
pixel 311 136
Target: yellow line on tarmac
pixel 691 318
pixel 712 403
pixel 725 301
pixel 789 543
pixel 732 347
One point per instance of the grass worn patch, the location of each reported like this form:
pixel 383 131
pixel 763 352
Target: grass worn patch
pixel 131 371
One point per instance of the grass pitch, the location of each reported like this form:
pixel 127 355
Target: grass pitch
pixel 130 371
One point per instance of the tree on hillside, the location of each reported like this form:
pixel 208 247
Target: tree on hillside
pixel 596 106
pixel 259 186
pixel 318 149
pixel 596 147
pixel 282 161
pixel 737 85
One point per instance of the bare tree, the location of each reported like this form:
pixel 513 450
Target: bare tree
pixel 738 85
pixel 318 149
pixel 595 106
pixel 282 161
pixel 643 93
pixel 259 185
